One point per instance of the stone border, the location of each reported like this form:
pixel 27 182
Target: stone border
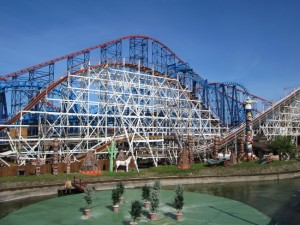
pixel 10 195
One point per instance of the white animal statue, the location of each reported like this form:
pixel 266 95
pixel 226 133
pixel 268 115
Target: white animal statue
pixel 225 156
pixel 123 163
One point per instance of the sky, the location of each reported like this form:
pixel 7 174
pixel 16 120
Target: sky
pixel 252 42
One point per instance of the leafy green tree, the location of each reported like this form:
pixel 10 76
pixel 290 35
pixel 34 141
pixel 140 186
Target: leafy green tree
pixel 115 196
pixel 283 145
pixel 136 209
pixel 88 197
pixel 120 187
pixel 179 199
pixel 146 192
pixel 154 199
pixel 156 185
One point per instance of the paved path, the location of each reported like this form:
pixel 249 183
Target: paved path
pixel 198 209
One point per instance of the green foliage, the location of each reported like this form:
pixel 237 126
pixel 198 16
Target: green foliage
pixel 136 209
pixel 156 185
pixel 146 192
pixel 178 198
pixel 88 197
pixel 283 144
pixel 154 199
pixel 115 196
pixel 120 187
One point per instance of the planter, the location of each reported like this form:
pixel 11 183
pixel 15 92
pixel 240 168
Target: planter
pixel 121 200
pixel 153 216
pixel 178 216
pixel 116 208
pixel 133 223
pixel 147 204
pixel 87 212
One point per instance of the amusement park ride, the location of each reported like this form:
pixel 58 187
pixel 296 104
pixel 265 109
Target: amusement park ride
pixel 138 93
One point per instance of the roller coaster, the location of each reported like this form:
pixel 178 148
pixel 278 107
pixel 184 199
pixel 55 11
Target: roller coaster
pixel 133 90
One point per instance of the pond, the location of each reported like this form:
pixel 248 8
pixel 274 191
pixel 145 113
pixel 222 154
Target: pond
pixel 279 200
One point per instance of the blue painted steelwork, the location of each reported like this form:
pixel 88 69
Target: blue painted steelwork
pixel 224 99
pixel 3 105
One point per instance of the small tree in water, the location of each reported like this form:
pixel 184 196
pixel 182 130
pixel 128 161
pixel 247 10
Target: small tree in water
pixel 88 197
pixel 120 187
pixel 136 209
pixel 146 192
pixel 178 199
pixel 156 185
pixel 115 196
pixel 154 199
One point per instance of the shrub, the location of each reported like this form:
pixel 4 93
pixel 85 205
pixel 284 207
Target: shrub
pixel 115 196
pixel 283 145
pixel 146 192
pixel 120 187
pixel 156 185
pixel 179 199
pixel 136 209
pixel 154 199
pixel 88 197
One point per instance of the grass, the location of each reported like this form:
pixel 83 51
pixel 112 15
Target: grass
pixel 198 169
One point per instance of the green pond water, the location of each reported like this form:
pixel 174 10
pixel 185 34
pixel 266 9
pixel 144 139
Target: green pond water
pixel 279 200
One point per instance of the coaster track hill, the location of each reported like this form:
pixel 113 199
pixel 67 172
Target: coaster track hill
pixel 132 90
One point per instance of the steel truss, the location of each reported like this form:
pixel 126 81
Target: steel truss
pixel 223 98
pixel 284 120
pixel 153 114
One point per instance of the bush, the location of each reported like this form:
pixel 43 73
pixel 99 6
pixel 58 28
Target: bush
pixel 115 196
pixel 136 209
pixel 179 199
pixel 146 192
pixel 154 199
pixel 120 187
pixel 283 145
pixel 88 197
pixel 156 185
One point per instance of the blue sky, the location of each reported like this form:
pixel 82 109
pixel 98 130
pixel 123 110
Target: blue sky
pixel 253 42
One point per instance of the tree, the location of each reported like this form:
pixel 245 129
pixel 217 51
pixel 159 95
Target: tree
pixel 115 196
pixel 179 199
pixel 88 197
pixel 156 185
pixel 146 192
pixel 120 187
pixel 136 209
pixel 154 199
pixel 283 145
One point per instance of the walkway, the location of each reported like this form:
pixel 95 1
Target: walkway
pixel 198 209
